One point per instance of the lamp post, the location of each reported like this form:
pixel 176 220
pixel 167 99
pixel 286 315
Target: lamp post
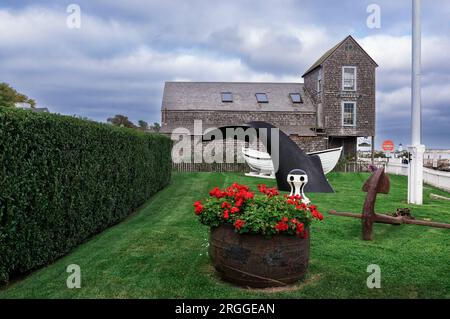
pixel 415 170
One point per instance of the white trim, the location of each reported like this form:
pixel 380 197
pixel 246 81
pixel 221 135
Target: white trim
pixel 354 113
pixel 356 77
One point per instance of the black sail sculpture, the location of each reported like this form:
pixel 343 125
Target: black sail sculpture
pixel 290 156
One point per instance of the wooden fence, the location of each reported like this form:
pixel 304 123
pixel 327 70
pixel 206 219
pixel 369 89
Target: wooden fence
pixel 351 167
pixel 212 167
pixel 355 167
pixel 435 178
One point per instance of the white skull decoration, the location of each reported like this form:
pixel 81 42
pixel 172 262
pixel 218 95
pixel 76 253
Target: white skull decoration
pixel 297 180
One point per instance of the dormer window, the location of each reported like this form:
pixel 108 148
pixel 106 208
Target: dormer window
pixel 296 98
pixel 262 98
pixel 349 78
pixel 227 97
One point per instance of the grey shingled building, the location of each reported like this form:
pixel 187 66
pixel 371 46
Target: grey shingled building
pixel 334 105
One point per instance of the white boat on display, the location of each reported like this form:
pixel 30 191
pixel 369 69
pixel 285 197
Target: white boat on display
pixel 262 166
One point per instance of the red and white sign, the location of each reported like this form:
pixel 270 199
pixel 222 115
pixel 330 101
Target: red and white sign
pixel 388 146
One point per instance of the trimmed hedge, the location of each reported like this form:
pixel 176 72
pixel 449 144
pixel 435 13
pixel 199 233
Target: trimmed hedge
pixel 63 179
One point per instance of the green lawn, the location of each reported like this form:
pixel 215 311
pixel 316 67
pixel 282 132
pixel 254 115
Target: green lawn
pixel 161 251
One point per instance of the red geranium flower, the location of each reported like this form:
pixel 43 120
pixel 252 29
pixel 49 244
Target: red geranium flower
pixel 239 223
pixel 268 191
pixel 234 210
pixel 226 205
pixel 304 234
pixel 248 195
pixel 295 197
pixel 198 210
pixel 197 203
pixel 317 215
pixel 315 212
pixel 198 207
pixel 300 229
pixel 281 226
pixel 272 192
pixel 216 192
pixel 230 192
pixel 262 188
pixel 229 204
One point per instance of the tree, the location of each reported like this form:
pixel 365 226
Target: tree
pixel 9 96
pixel 156 127
pixel 143 125
pixel 403 154
pixel 379 154
pixel 121 120
pixel 364 144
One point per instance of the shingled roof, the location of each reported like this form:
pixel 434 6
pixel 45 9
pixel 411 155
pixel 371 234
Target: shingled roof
pixel 327 54
pixel 186 96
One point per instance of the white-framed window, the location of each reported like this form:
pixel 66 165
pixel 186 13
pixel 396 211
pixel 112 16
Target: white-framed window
pixel 319 80
pixel 349 78
pixel 348 113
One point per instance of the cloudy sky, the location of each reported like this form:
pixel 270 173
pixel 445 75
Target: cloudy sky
pixel 118 60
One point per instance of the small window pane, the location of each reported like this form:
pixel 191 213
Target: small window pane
pixel 296 97
pixel 349 79
pixel 319 80
pixel 227 97
pixel 349 114
pixel 262 98
pixel 349 47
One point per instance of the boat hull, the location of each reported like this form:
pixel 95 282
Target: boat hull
pixel 261 162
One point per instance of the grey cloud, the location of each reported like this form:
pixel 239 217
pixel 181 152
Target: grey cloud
pixel 119 60
pixel 261 54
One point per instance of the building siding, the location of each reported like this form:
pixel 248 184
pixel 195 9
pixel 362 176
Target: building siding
pixel 321 112
pixel 364 96
pixel 221 118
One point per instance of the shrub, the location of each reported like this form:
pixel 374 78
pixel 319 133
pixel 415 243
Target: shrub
pixel 63 179
pixel 267 213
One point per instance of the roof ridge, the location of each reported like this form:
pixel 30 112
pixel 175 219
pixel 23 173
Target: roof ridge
pixel 328 53
pixel 231 82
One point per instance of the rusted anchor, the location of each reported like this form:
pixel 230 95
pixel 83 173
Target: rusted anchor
pixel 379 182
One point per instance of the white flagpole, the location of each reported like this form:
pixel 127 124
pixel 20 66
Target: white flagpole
pixel 415 171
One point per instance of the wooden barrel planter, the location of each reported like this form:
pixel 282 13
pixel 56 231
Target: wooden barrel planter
pixel 256 261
